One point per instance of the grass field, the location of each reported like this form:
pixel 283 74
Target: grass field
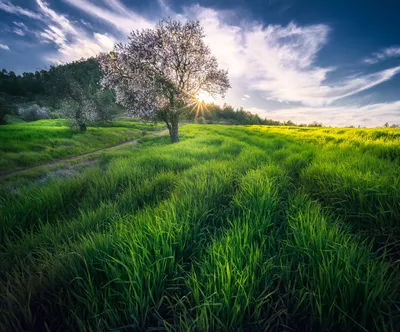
pixel 234 228
pixel 32 143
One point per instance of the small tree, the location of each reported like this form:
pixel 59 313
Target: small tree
pixel 315 124
pixel 80 111
pixel 76 85
pixel 160 71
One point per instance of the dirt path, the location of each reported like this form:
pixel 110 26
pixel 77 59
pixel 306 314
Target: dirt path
pixel 54 162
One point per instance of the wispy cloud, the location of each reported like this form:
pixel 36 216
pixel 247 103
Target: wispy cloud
pixel 13 9
pixel 116 14
pixel 85 23
pixel 387 53
pixel 84 48
pixel 72 42
pixel 21 25
pixel 60 19
pixel 4 47
pixel 372 115
pixel 20 29
pixel 280 61
pixel 19 32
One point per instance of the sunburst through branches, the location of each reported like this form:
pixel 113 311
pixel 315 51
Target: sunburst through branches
pixel 199 103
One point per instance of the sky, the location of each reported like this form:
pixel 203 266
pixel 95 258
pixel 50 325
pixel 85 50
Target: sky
pixel 335 62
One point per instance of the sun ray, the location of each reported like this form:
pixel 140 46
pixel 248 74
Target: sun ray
pixel 199 103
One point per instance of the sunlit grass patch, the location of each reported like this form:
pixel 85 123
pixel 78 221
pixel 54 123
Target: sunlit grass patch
pixel 32 143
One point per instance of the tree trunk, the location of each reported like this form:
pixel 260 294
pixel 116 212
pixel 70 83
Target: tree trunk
pixel 82 127
pixel 79 121
pixel 173 130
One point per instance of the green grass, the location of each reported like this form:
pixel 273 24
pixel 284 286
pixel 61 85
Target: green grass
pixel 234 228
pixel 31 143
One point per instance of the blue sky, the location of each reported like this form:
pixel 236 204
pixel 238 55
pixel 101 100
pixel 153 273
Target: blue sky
pixel 337 62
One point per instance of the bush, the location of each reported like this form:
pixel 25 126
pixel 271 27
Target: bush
pixel 200 120
pixel 315 124
pixel 33 112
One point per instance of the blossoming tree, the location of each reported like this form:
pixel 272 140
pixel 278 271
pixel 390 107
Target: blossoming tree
pixel 160 71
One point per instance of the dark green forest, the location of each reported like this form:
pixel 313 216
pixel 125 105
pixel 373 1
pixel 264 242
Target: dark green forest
pixel 62 91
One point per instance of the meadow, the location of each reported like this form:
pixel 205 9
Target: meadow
pixel 250 228
pixel 32 143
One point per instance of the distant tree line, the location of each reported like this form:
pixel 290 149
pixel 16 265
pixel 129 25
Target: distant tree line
pixel 27 86
pixel 387 125
pixel 212 113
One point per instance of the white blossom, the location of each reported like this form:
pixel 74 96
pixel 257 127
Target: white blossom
pixel 160 71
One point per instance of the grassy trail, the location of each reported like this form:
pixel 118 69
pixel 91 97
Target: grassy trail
pixel 58 161
pixel 29 144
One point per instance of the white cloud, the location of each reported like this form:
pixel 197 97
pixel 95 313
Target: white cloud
pixel 19 32
pixel 61 20
pixel 12 9
pixel 372 115
pixel 21 25
pixel 21 29
pixel 246 96
pixel 4 47
pixel 106 42
pixel 279 60
pixel 83 48
pixel 72 42
pixel 390 52
pixel 85 23
pixel 54 34
pixel 117 15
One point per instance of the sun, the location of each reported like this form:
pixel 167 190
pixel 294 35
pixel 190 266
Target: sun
pixel 199 103
pixel 205 97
